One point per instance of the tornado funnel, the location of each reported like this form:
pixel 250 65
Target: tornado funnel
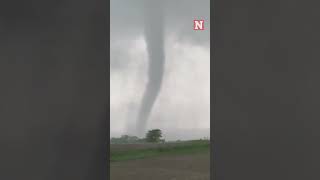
pixel 154 37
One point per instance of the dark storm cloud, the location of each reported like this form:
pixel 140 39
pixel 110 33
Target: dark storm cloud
pixel 127 19
pixel 127 23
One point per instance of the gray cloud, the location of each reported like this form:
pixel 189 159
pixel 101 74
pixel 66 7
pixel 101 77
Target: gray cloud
pixel 127 19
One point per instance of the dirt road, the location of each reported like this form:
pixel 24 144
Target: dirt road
pixel 170 167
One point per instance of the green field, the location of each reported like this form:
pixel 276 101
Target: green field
pixel 123 153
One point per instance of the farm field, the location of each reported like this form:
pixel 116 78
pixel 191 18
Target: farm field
pixel 172 161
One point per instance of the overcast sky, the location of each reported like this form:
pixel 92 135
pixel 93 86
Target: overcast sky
pixel 182 109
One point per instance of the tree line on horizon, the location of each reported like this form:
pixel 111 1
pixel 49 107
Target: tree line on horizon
pixel 152 136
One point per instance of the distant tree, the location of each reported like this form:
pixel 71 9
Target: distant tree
pixel 125 139
pixel 133 139
pixel 142 140
pixel 154 136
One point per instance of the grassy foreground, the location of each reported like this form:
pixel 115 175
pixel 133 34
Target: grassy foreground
pixel 187 147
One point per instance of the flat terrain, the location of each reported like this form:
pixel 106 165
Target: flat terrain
pixel 180 165
pixel 170 167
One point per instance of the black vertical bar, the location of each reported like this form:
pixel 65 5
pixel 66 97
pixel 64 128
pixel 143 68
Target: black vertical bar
pixel 54 72
pixel 107 17
pixel 212 92
pixel 266 117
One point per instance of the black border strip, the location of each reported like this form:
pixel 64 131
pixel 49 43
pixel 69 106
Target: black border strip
pixel 212 90
pixel 107 41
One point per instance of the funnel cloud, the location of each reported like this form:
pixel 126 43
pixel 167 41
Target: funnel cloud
pixel 154 36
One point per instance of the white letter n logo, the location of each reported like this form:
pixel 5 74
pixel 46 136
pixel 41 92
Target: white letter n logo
pixel 198 24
